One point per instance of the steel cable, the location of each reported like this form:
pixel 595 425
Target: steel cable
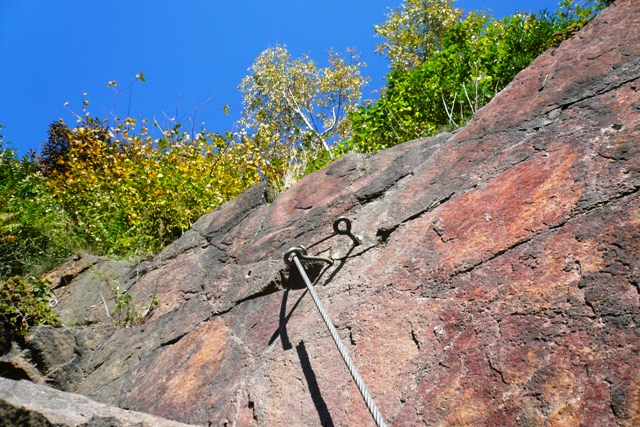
pixel 371 405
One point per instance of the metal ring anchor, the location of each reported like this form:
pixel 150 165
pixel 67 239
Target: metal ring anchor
pixel 301 252
pixel 347 230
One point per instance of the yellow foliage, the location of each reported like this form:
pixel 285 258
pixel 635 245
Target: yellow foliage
pixel 131 194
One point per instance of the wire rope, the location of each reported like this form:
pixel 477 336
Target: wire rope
pixel 292 254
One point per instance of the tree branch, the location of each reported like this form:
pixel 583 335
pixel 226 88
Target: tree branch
pixel 294 105
pixel 450 114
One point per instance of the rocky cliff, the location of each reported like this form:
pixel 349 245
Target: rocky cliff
pixel 497 283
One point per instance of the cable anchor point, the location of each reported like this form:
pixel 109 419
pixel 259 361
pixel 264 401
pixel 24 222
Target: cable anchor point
pixel 347 230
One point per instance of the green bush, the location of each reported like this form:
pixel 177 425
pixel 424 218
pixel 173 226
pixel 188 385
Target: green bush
pixel 34 230
pixel 478 57
pixel 25 302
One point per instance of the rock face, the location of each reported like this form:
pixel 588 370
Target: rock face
pixel 497 283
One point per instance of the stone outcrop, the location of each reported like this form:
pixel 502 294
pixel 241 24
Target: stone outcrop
pixel 23 403
pixel 497 282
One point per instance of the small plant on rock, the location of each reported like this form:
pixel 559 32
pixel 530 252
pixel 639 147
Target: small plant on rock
pixel 126 313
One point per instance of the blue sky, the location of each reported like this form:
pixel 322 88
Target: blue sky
pixel 193 53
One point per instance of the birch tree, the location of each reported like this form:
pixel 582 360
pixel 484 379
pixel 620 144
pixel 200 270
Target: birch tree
pixel 294 109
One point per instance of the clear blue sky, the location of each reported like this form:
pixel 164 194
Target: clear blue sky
pixel 190 51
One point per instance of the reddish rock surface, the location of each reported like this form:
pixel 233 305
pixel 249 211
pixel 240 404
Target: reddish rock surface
pixel 497 283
